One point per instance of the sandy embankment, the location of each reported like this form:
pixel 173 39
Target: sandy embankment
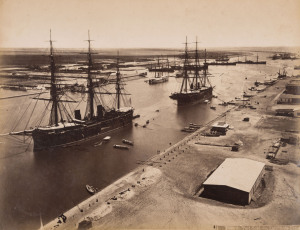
pixel 162 194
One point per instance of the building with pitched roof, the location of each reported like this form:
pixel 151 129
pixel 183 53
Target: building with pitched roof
pixel 234 181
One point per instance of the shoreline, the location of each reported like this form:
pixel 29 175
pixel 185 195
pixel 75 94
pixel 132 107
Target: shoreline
pixel 107 203
pixel 126 177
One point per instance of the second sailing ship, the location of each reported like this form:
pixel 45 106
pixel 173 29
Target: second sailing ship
pixel 194 88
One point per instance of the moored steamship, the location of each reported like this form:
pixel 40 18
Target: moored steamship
pixel 66 129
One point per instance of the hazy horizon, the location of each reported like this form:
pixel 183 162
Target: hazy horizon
pixel 152 48
pixel 150 23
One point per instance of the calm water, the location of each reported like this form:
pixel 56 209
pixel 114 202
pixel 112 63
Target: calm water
pixel 51 182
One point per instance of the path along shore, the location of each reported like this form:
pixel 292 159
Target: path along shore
pixel 164 192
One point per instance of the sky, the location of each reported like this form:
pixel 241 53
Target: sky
pixel 149 23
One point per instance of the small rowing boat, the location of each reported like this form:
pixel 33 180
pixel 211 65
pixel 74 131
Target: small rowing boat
pixel 121 147
pixel 91 189
pixel 107 138
pixel 127 142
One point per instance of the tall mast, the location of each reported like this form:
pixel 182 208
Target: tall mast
pixel 196 65
pixel 174 61
pixel 53 89
pixel 168 66
pixel 185 69
pixel 118 88
pixel 90 106
pixel 204 69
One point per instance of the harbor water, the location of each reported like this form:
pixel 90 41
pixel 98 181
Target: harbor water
pixel 49 182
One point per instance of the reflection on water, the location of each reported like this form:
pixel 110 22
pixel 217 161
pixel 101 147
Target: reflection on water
pixel 52 181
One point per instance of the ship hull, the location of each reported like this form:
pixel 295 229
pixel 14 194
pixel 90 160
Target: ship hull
pixel 191 98
pixel 221 63
pixel 252 63
pixel 44 139
pixel 154 81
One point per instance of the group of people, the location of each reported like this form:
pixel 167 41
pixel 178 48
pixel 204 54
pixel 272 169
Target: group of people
pixel 63 219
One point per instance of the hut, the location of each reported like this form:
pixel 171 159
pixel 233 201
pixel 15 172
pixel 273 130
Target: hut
pixel 220 127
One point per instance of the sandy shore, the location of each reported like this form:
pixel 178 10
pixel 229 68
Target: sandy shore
pixel 164 193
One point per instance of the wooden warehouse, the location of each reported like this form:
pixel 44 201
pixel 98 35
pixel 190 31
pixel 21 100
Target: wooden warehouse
pixel 234 181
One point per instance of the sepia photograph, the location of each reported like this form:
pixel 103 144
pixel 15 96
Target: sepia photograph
pixel 149 114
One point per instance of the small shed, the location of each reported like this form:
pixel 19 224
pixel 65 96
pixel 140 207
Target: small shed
pixel 234 181
pixel 287 110
pixel 289 99
pixel 220 127
pixel 293 87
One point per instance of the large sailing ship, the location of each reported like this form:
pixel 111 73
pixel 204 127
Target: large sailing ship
pixel 66 129
pixel 195 88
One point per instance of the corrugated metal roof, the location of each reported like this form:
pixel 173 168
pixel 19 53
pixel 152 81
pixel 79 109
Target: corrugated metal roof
pixel 239 173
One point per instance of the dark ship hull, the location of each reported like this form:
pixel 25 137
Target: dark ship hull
pixel 252 62
pixel 67 135
pixel 220 63
pixel 192 97
pixel 167 70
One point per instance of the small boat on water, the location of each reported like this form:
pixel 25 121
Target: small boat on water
pixel 231 102
pixel 107 138
pixel 98 143
pixel 121 147
pixel 192 125
pixel 189 129
pixel 223 103
pixel 91 189
pixel 127 142
pixel 270 82
pixel 247 95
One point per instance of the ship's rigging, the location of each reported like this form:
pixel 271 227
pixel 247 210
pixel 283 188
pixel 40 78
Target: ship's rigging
pixel 64 127
pixel 198 80
pixel 194 87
